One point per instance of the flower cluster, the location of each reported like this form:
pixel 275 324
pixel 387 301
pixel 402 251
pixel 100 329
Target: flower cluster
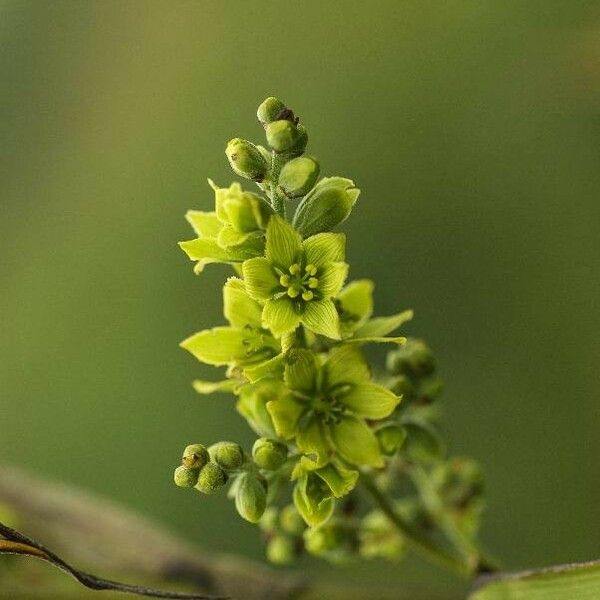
pixel 292 350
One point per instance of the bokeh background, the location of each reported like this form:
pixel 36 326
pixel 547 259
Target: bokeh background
pixel 472 128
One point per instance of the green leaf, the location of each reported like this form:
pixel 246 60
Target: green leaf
pixel 285 412
pixel 311 440
pixel 355 442
pixel 320 316
pixel 259 278
pixel 239 309
pixel 332 279
pixel 339 478
pixel 381 326
pixel 280 316
pixel 371 401
pixel 313 500
pixel 284 244
pixel 344 365
pixel 205 224
pixel 301 372
pixel 324 248
pixel 209 387
pixel 565 582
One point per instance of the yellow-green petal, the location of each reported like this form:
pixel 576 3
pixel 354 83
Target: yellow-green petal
pixel 301 372
pixel 332 279
pixel 239 309
pixel 323 248
pixel 284 244
pixel 280 316
pixel 220 346
pixel 339 478
pixel 209 387
pixel 381 326
pixel 320 316
pixel 259 278
pixel 345 364
pixel 205 224
pixel 312 441
pixel 285 412
pixel 356 300
pixel 312 500
pixel 355 442
pixel 370 400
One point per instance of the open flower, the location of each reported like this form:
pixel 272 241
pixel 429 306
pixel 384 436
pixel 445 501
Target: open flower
pixel 241 344
pixel 230 234
pixel 297 280
pixel 327 404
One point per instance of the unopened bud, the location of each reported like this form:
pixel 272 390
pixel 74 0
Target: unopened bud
pixel 291 521
pixel 185 477
pixel 391 438
pixel 326 205
pixel 211 478
pixel 281 550
pixel 246 159
pixel 195 456
pixel 269 454
pixel 251 497
pixel 286 136
pixel 413 358
pixel 320 540
pixel 272 109
pixel 228 455
pixel 298 176
pixel 269 520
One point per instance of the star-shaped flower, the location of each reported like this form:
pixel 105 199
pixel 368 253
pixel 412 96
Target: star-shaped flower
pixel 297 279
pixel 327 404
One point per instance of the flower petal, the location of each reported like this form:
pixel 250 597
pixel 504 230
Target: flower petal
pixel 371 401
pixel 380 326
pixel 205 224
pixel 344 365
pixel 301 372
pixel 284 244
pixel 339 478
pixel 324 248
pixel 355 442
pixel 320 316
pixel 332 278
pixel 357 303
pixel 312 441
pixel 280 316
pixel 259 278
pixel 313 500
pixel 218 346
pixel 209 387
pixel 239 309
pixel 285 412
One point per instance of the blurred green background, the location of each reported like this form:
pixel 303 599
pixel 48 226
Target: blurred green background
pixel 472 128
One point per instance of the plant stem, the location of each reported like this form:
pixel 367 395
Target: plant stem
pixel 412 536
pixel 277 198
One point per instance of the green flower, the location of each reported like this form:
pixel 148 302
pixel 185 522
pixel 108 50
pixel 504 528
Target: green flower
pixel 232 233
pixel 327 404
pixel 244 343
pixel 297 280
pixel 355 307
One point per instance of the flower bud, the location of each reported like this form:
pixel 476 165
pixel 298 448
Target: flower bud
pixel 391 438
pixel 413 358
pixel 195 456
pixel 281 550
pixel 269 520
pixel 326 205
pixel 291 521
pixel 251 497
pixel 327 538
pixel 298 176
pixel 269 454
pixel 272 109
pixel 401 385
pixel 286 136
pixel 228 455
pixel 211 478
pixel 423 444
pixel 185 477
pixel 246 159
